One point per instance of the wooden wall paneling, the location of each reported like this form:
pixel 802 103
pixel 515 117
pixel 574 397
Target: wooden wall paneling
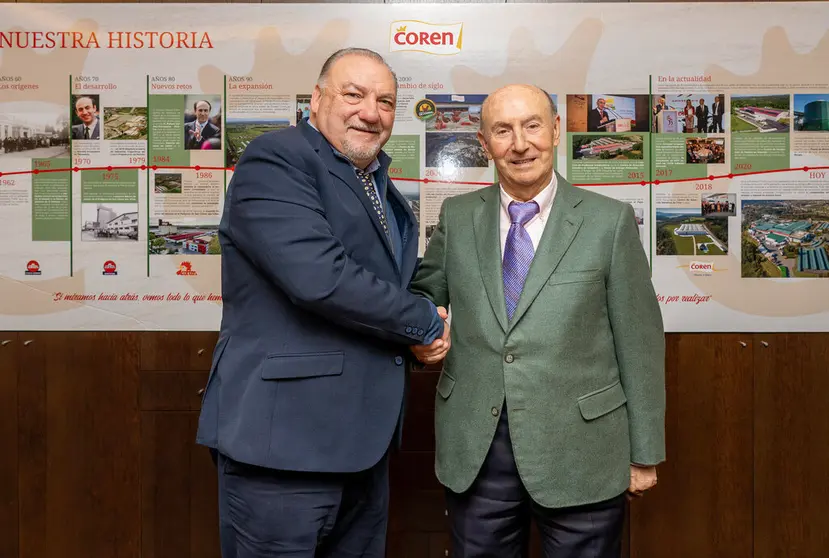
pixel 168 391
pixel 324 2
pixel 204 498
pixel 414 468
pixel 702 505
pixel 791 457
pixel 417 510
pixel 536 550
pixel 626 535
pixel 179 512
pixel 177 350
pixel 418 524
pixel 414 544
pixel 389 1
pixel 419 419
pixel 439 545
pixel 79 445
pixel 700 1
pixel 9 501
pixel 409 545
pixel 433 1
pixel 31 450
pixel 564 1
pixel 166 441
pixel 413 486
pixel 179 515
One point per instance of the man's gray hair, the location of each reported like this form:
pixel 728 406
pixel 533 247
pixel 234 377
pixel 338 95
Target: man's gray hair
pixel 351 51
pixel 553 108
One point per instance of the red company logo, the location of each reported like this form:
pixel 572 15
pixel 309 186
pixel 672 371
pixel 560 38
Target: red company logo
pixel 186 268
pixel 33 268
pixel 110 268
pixel 702 268
pixel 431 38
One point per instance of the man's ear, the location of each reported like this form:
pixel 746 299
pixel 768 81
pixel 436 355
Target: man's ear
pixel 482 141
pixel 556 130
pixel 316 96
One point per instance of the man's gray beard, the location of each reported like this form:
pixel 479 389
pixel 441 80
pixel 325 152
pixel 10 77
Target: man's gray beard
pixel 356 153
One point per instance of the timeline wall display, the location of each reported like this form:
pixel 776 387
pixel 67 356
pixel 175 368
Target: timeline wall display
pixel 120 131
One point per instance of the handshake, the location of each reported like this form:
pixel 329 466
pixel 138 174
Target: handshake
pixel 436 351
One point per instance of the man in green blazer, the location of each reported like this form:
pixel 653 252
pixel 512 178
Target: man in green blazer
pixel 550 405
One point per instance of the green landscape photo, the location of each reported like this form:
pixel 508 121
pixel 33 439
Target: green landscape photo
pixel 240 132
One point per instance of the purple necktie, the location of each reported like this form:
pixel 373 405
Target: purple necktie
pixel 518 252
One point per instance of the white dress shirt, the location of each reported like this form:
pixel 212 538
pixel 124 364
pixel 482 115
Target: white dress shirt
pixel 535 226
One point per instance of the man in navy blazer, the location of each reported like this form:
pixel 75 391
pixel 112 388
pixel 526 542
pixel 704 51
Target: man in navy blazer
pixel 305 395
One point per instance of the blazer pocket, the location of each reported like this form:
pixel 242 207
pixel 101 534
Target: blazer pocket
pixel 309 365
pixel 445 384
pixel 602 401
pixel 585 276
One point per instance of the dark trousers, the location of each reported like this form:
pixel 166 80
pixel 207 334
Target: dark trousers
pixel 493 518
pixel 265 513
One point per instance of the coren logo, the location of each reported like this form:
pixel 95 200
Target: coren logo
pixel 431 38
pixel 702 268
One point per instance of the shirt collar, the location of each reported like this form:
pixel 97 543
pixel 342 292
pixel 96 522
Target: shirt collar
pixel 371 168
pixel 544 198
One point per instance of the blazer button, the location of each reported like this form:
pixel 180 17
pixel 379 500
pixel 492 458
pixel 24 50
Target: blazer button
pixel 408 329
pixel 509 358
pixel 398 360
pixel 495 411
pixel 420 332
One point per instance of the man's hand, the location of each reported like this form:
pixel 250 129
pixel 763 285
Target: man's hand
pixel 641 479
pixel 434 353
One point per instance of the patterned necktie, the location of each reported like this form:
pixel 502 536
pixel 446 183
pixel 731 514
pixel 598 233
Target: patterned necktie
pixel 368 186
pixel 85 132
pixel 518 252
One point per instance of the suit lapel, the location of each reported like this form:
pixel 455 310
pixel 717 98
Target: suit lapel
pixel 345 173
pixel 486 222
pixel 408 258
pixel 343 170
pixel 562 226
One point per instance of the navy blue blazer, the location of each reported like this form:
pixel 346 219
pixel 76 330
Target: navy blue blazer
pixel 309 370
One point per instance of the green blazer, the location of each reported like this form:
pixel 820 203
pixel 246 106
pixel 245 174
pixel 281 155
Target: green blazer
pixel 581 363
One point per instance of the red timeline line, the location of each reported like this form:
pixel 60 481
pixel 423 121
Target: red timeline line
pixel 423 180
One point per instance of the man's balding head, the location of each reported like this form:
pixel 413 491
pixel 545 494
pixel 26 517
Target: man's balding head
pixel 86 109
pixel 519 132
pixel 512 89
